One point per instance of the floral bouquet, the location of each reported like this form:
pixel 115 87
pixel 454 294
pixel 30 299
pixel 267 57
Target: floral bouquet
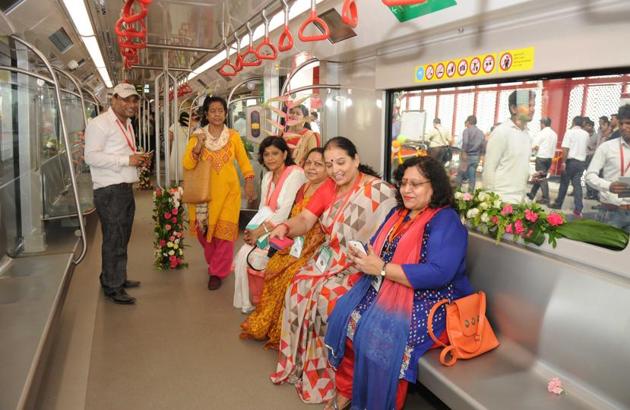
pixel 144 175
pixel 485 211
pixel 169 228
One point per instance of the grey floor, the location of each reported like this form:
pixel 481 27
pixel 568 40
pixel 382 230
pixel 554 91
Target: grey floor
pixel 178 348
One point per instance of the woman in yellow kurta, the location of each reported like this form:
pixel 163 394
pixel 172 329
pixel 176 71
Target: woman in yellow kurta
pixel 216 223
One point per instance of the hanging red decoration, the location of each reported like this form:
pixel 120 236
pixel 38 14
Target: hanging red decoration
pixel 131 31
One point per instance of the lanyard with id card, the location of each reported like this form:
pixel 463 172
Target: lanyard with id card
pixel 323 260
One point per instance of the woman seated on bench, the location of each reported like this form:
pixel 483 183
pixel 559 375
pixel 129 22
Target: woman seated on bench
pixel 378 330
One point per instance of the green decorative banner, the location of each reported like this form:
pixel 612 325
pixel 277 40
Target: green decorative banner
pixel 406 13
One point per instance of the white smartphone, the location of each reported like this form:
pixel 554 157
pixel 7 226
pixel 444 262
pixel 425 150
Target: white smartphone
pixel 357 246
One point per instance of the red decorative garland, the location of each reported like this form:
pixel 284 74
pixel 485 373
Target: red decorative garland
pixel 131 31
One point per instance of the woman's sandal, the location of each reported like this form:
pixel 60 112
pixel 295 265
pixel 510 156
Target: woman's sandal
pixel 334 405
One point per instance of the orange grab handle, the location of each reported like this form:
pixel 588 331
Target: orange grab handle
pixel 314 20
pixel 285 41
pixel 270 46
pixel 349 13
pixel 227 70
pixel 238 63
pixel 390 3
pixel 252 63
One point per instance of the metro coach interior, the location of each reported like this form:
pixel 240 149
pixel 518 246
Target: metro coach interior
pixel 376 72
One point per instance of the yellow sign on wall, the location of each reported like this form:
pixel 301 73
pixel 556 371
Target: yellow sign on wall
pixel 507 61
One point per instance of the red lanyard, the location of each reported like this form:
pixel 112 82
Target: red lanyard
pixel 130 141
pixel 399 227
pixel 624 167
pixel 345 202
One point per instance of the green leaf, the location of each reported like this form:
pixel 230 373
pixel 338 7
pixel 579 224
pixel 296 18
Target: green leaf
pixel 593 232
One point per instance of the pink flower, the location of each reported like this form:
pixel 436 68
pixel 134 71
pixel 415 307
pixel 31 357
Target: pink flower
pixel 174 211
pixel 167 215
pixel 167 227
pixel 507 209
pixel 518 227
pixel 508 228
pixel 495 220
pixel 467 196
pixel 555 386
pixel 162 242
pixel 172 258
pixel 174 219
pixel 555 219
pixel 158 192
pixel 530 215
pixel 171 238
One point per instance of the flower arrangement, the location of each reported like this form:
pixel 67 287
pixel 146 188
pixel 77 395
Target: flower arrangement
pixel 144 176
pixel 485 211
pixel 169 228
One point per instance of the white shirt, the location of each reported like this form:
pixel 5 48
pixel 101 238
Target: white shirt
pixel 506 168
pixel 180 138
pixel 438 137
pixel 576 140
pixel 291 185
pixel 314 126
pixel 608 157
pixel 546 141
pixel 107 150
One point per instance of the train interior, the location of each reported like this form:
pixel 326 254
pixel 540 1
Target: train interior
pixel 375 73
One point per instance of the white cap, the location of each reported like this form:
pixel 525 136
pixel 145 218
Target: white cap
pixel 124 90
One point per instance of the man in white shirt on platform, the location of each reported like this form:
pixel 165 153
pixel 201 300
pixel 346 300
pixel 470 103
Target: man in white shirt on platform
pixel 111 153
pixel 545 146
pixel 439 139
pixel 574 147
pixel 506 167
pixel 613 158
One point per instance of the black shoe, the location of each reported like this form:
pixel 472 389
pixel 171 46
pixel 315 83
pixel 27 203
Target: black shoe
pixel 214 282
pixel 543 201
pixel 131 284
pixel 530 196
pixel 555 206
pixel 121 297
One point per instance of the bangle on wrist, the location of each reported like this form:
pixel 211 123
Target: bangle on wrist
pixel 383 272
pixel 265 227
pixel 249 177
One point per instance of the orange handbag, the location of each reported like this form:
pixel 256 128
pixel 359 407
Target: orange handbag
pixel 467 328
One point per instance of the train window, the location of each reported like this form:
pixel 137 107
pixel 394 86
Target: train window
pixel 557 174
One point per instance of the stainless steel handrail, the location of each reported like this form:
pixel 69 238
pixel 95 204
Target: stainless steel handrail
pixel 167 148
pixel 292 74
pixel 67 143
pixel 236 86
pixel 26 72
pixel 315 86
pixel 96 101
pixel 157 127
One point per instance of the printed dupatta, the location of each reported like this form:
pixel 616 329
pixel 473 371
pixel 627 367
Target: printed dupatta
pixel 383 330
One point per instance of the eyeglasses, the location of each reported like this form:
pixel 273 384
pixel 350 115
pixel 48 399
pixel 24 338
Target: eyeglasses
pixel 413 184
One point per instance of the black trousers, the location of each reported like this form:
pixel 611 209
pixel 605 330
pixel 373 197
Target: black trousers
pixel 542 165
pixel 572 175
pixel 115 206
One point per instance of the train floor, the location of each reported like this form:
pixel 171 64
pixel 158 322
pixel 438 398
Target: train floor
pixel 177 348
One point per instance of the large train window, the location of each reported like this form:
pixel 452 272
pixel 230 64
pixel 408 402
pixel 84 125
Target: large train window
pixel 580 110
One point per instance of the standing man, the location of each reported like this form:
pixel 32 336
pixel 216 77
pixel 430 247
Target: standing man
pixel 593 142
pixel 614 125
pixel 439 140
pixel 574 145
pixel 613 158
pixel 473 147
pixel 110 151
pixel 545 146
pixel 506 166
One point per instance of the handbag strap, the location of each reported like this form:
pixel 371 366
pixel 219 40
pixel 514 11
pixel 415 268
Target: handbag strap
pixel 430 321
pixel 247 260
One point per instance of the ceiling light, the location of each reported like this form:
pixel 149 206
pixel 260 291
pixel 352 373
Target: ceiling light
pixel 80 17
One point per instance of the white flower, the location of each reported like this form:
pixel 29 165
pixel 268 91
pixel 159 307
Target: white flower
pixel 165 254
pixel 485 218
pixel 483 196
pixel 179 251
pixel 180 190
pixel 171 253
pixel 472 213
pixel 459 195
pixel 169 244
pixel 176 241
pixel 484 205
pixel 175 246
pixel 497 203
